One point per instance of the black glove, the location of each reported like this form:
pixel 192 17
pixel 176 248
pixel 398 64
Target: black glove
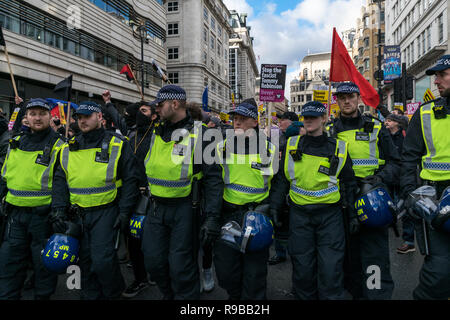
pixel 441 218
pixel 373 180
pixel 57 219
pixel 276 218
pixel 122 222
pixel 210 230
pixel 353 225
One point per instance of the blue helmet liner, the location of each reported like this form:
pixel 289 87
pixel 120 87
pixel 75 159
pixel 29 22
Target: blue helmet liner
pixel 375 208
pixel 137 225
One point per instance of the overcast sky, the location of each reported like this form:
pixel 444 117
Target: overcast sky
pixel 285 30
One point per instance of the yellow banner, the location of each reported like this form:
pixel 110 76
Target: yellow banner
pixel 62 116
pixel 428 96
pixel 321 96
pixel 232 97
pixel 224 116
pixel 261 108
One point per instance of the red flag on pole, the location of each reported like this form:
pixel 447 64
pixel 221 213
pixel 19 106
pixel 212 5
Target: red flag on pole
pixel 127 70
pixel 343 69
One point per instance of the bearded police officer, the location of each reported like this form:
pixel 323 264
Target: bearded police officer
pixel 427 144
pixel 247 161
pixel 313 171
pixel 375 160
pixel 97 178
pixel 27 182
pixel 170 238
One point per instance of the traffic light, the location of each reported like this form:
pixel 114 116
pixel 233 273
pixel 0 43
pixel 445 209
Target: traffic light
pixel 409 87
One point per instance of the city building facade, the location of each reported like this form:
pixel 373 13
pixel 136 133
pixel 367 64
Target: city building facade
pixel 367 41
pixel 49 40
pixel 197 49
pixel 243 67
pixel 420 28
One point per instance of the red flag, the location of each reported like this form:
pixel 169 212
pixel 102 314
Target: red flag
pixel 127 70
pixel 343 69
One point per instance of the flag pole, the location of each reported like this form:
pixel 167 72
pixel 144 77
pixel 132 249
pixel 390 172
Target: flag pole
pixel 135 81
pixel 10 71
pixel 68 119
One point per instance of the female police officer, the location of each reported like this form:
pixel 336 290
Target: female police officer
pixel 315 170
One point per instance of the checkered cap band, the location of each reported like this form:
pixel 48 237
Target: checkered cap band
pixel 315 107
pixel 171 96
pixel 246 110
pixel 347 87
pixel 90 107
pixel 38 103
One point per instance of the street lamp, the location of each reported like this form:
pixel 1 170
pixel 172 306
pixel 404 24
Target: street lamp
pixel 140 29
pixel 379 75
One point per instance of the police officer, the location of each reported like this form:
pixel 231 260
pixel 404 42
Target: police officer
pixel 97 178
pixel 375 160
pixel 27 182
pixel 246 158
pixel 170 239
pixel 314 168
pixel 427 144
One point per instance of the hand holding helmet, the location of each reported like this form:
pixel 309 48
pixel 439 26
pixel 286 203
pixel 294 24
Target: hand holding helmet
pixel 57 219
pixel 210 230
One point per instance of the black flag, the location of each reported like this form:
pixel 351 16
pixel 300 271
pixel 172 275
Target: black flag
pixel 2 40
pixel 65 86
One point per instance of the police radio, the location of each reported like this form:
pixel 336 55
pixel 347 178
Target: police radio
pixel 440 112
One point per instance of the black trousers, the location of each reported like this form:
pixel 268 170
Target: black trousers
pixel 316 246
pixel 170 250
pixel 25 237
pixel 369 249
pixel 100 270
pixel 242 275
pixel 434 278
pixel 137 258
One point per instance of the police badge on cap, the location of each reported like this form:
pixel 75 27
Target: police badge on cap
pixel 442 64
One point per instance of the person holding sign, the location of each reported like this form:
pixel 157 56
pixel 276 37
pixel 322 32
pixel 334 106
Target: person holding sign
pixel 314 168
pixel 375 160
pixel 27 183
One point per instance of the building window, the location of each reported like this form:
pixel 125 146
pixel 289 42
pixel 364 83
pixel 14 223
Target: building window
pixel 213 86
pixel 205 57
pixel 429 38
pixel 172 6
pixel 174 77
pixel 205 35
pixel 423 43
pixel 412 52
pixel 366 42
pixel 366 64
pixel 212 42
pixel 219 49
pixel 172 53
pixel 213 23
pixel 441 27
pixel 172 29
pixel 308 97
pixel 212 64
pixel 205 81
pixel 205 13
pixel 219 69
pixel 219 32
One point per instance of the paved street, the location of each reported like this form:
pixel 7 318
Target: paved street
pixel 405 272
